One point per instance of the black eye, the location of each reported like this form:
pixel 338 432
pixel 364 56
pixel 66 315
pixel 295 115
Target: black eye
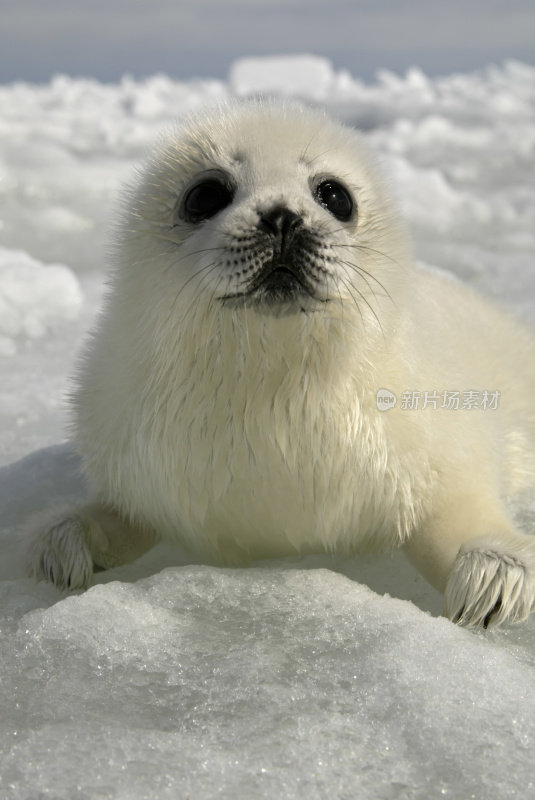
pixel 206 199
pixel 335 198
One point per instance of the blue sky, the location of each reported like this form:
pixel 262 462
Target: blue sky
pixel 201 38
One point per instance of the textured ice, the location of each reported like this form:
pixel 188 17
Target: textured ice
pixel 33 298
pixel 262 683
pixel 302 678
pixel 310 76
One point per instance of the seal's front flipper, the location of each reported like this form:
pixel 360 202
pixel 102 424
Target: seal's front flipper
pixel 69 544
pixel 472 553
pixel 492 581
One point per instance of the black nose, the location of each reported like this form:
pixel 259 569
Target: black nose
pixel 279 222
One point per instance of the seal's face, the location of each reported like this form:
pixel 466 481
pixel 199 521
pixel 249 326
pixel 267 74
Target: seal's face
pixel 267 207
pixel 277 259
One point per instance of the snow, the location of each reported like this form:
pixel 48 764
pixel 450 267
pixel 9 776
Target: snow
pixel 310 76
pixel 300 678
pixel 33 296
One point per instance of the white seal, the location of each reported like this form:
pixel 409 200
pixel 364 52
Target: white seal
pixel 272 375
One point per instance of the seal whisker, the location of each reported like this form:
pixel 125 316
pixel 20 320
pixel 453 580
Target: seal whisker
pixel 365 248
pixel 206 270
pixel 352 288
pixel 364 274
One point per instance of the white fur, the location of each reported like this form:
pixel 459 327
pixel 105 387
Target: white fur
pixel 248 434
pixel 492 582
pixel 60 554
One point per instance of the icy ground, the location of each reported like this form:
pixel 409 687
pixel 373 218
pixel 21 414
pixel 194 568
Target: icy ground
pixel 292 679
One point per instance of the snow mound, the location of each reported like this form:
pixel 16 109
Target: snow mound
pixel 34 298
pixel 301 75
pixel 261 683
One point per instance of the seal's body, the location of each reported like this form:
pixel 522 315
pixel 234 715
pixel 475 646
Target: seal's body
pixel 263 297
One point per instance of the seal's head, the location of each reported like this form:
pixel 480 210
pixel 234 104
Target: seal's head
pixel 268 207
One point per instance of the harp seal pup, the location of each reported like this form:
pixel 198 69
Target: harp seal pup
pixel 263 297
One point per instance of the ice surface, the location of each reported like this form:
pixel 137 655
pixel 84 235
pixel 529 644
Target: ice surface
pixel 265 683
pixel 33 298
pixel 304 75
pixel 292 679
